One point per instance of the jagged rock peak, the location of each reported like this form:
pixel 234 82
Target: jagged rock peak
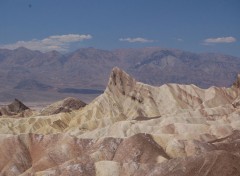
pixel 17 106
pixel 237 82
pixel 120 81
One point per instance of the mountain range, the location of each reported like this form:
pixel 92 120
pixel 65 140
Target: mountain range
pixel 36 76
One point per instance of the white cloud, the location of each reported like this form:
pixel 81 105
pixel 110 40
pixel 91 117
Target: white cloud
pixel 56 42
pixel 220 40
pixel 134 40
pixel 70 37
pixel 179 39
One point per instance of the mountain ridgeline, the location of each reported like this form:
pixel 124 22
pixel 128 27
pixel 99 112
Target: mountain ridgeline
pixel 86 70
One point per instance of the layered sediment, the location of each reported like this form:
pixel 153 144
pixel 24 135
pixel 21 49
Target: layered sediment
pixel 131 129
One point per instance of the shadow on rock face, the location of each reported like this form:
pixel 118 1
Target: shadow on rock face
pixel 13 109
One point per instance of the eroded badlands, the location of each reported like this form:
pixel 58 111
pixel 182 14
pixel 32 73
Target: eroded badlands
pixel 131 129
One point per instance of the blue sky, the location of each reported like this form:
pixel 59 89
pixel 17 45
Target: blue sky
pixel 65 25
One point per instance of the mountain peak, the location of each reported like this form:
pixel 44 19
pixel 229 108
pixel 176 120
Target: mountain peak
pixel 17 106
pixel 237 82
pixel 120 81
pixel 14 108
pixel 22 49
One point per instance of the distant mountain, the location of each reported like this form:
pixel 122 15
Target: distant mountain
pixel 31 84
pixel 80 91
pixel 88 68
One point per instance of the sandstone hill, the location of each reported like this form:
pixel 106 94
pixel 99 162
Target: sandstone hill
pixel 131 129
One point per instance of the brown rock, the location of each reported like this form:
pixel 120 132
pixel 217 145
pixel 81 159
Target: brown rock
pixel 237 82
pixel 140 148
pixel 67 105
pixel 16 108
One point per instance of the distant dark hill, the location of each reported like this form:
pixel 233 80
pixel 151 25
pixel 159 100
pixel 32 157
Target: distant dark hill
pixel 31 84
pixel 203 70
pixel 88 69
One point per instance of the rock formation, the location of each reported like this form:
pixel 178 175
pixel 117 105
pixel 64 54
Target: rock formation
pixel 131 129
pixel 237 82
pixel 15 109
pixel 67 105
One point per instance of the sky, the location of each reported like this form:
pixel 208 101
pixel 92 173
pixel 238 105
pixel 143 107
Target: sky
pixel 66 25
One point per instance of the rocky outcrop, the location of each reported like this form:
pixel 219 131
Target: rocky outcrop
pixel 67 105
pixel 236 84
pixel 131 129
pixel 16 108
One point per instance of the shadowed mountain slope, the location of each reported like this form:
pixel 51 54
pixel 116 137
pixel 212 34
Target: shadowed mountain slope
pixel 15 109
